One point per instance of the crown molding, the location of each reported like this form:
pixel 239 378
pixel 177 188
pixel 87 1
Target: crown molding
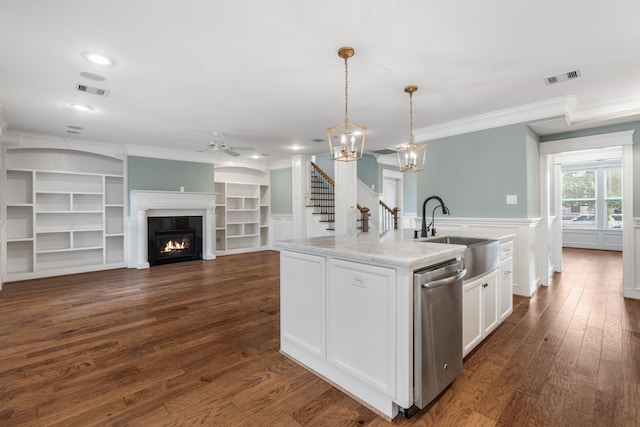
pixel 17 140
pixel 387 159
pixel 554 107
pixel 565 107
pixel 610 110
pixel 166 154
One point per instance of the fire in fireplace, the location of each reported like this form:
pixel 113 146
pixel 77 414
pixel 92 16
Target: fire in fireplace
pixel 174 239
pixel 175 243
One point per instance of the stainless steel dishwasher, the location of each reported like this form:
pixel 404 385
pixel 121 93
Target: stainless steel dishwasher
pixel 437 330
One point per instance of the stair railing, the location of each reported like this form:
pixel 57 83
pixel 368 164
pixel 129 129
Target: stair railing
pixel 388 217
pixel 324 196
pixel 323 192
pixel 364 218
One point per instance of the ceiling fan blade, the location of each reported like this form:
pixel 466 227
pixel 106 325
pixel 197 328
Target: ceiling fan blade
pixel 229 152
pixel 243 148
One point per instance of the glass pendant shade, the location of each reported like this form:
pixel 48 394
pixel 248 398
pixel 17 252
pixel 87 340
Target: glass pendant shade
pixel 411 156
pixel 346 140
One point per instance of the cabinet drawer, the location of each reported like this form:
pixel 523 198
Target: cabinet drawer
pixel 506 250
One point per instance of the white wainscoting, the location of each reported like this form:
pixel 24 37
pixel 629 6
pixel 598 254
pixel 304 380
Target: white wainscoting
pixel 281 228
pixel 609 240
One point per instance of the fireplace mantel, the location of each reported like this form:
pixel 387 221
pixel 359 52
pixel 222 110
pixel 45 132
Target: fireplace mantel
pixel 169 203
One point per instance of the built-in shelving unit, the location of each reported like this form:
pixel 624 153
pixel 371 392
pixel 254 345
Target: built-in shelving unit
pixel 64 211
pixel 242 215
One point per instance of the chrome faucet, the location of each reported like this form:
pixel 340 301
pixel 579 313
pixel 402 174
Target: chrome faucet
pixel 424 232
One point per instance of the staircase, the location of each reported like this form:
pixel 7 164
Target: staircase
pixel 322 197
pixel 322 201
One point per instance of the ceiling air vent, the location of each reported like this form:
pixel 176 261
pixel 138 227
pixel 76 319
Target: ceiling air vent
pixel 563 77
pixel 93 90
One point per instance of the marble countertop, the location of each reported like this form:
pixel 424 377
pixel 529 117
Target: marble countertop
pixel 396 248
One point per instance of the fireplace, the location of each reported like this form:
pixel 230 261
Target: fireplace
pixel 147 204
pixel 174 239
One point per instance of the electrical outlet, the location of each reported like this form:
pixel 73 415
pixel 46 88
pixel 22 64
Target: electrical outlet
pixel 512 199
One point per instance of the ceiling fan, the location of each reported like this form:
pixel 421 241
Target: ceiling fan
pixel 218 144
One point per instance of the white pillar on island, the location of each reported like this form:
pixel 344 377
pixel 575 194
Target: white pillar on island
pixel 300 190
pixel 346 196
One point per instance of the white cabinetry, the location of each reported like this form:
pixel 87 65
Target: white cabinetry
pixel 505 286
pixel 480 309
pixel 339 318
pixel 362 322
pixel 241 217
pixel 64 212
pixel 303 314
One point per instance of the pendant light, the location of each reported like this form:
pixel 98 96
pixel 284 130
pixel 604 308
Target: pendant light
pixel 346 140
pixel 411 156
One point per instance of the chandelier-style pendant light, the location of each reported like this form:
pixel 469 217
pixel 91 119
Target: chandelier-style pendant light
pixel 411 156
pixel 346 140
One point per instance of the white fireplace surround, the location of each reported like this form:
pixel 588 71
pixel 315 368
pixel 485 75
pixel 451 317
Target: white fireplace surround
pixel 146 204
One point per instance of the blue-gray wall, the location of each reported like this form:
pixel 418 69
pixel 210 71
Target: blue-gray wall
pixel 281 191
pixel 409 192
pixel 533 173
pixel 146 173
pixel 408 187
pixel 474 172
pixel 324 162
pixel 609 129
pixel 368 172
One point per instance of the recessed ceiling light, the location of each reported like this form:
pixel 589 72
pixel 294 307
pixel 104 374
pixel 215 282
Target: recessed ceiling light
pixel 96 58
pixel 255 156
pixel 296 147
pixel 82 108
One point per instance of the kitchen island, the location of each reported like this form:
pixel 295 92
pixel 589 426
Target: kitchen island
pixel 347 311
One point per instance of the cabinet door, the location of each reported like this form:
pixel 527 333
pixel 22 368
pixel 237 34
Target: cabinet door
pixel 471 315
pixel 303 302
pixel 490 303
pixel 505 291
pixel 362 322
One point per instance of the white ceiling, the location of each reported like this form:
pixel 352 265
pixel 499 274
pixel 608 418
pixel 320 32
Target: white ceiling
pixel 267 74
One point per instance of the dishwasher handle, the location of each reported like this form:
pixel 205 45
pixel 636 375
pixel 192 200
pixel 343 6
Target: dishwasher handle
pixel 446 280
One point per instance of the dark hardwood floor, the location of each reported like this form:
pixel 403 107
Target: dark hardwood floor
pixel 197 343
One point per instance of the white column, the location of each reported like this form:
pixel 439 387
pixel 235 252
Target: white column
pixel 545 232
pixel 209 234
pixel 142 259
pixel 346 196
pixel 300 188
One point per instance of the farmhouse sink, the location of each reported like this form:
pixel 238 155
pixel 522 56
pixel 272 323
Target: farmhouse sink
pixel 481 255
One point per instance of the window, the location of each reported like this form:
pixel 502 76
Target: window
pixel 592 195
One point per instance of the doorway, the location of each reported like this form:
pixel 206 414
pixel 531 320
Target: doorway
pixel 590 200
pixel 392 184
pixel 550 201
